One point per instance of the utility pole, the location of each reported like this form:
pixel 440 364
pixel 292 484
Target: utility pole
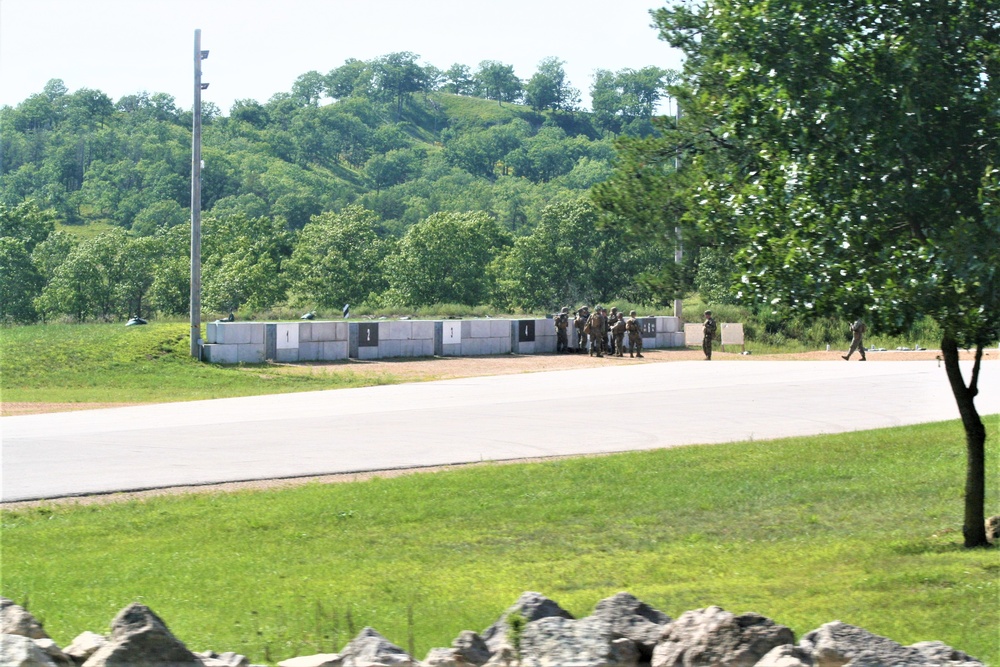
pixel 679 249
pixel 199 55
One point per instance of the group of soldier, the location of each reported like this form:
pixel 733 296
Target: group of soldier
pixel 599 332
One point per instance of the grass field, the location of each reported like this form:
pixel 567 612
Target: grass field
pixel 861 527
pixel 105 363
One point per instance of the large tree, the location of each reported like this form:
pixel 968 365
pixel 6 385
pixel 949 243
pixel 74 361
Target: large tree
pixel 846 153
pixel 549 89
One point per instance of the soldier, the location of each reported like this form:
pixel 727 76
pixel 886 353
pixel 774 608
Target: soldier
pixel 858 329
pixel 562 324
pixel 612 320
pixel 581 324
pixel 709 329
pixel 596 325
pixel 634 330
pixel 618 333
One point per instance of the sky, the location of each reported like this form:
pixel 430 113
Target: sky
pixel 259 47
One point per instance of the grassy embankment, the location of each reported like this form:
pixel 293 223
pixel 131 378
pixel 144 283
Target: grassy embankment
pixel 111 363
pixel 861 527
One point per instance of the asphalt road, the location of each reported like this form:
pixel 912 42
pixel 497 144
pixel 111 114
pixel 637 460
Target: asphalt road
pixel 467 420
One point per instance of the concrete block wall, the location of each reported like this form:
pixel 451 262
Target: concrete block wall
pixel 234 342
pixel 469 338
pixel 542 332
pixel 256 342
pixel 248 342
pixel 392 338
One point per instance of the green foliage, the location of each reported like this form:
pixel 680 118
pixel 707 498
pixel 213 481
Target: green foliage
pixel 746 526
pixel 444 259
pixel 338 259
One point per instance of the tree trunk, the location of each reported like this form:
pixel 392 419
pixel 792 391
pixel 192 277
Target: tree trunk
pixel 973 528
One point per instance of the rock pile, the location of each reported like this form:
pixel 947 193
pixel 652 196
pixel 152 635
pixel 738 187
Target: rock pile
pixel 535 632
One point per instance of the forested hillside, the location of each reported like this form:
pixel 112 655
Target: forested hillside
pixel 382 181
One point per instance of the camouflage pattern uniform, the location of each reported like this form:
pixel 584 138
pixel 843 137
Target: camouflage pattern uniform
pixel 857 343
pixel 562 324
pixel 710 328
pixel 596 325
pixel 634 330
pixel 618 332
pixel 580 323
pixel 612 321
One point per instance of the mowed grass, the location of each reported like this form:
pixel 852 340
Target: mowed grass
pixel 861 527
pixel 112 363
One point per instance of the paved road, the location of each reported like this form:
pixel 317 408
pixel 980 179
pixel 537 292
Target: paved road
pixel 459 421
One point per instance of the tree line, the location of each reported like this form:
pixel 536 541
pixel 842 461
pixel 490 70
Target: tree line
pixel 337 258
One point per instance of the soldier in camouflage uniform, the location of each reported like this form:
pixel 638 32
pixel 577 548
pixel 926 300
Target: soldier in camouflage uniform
pixel 618 333
pixel 562 324
pixel 596 326
pixel 858 329
pixel 709 329
pixel 634 330
pixel 580 323
pixel 613 318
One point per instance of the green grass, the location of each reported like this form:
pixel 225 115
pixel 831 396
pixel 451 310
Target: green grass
pixel 861 527
pixel 114 363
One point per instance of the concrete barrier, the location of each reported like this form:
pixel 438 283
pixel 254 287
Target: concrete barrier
pixel 256 342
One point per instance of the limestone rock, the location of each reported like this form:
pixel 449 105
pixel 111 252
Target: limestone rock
pixel 140 637
pixel 835 644
pixel 504 656
pixel 227 659
pixel 443 657
pixel 939 653
pixel 532 606
pixel 713 637
pixel 55 653
pixel 588 642
pixel 370 649
pixel 318 660
pixel 786 655
pixel 472 648
pixel 993 529
pixel 634 619
pixel 16 620
pixel 84 646
pixel 22 651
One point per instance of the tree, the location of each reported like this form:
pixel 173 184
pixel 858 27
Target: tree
pixel 338 258
pixel 444 258
pixel 241 263
pixel 497 81
pixel 308 88
pixel 548 88
pixel 846 153
pixel 396 76
pixel 459 80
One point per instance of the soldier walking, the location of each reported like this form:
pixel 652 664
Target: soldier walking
pixel 634 330
pixel 562 324
pixel 858 329
pixel 709 329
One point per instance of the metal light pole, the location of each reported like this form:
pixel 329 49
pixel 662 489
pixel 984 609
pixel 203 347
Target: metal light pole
pixel 199 55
